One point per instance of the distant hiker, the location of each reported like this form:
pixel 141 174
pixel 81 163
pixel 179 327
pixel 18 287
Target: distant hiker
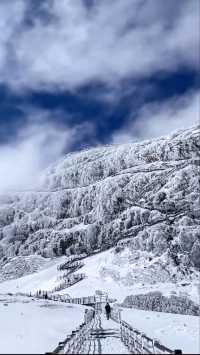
pixel 108 310
pixel 86 316
pixel 93 315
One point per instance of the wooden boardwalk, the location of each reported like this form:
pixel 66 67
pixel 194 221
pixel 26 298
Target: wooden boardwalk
pixel 97 335
pixel 104 338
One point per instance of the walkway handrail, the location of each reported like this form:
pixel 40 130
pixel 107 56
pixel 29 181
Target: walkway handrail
pixel 135 340
pixel 73 343
pixel 71 280
pixel 138 342
pixel 90 300
pixel 71 261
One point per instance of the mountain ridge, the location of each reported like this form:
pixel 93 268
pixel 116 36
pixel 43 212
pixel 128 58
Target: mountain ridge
pixel 93 200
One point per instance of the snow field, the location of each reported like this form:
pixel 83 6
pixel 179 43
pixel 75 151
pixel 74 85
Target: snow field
pixel 35 326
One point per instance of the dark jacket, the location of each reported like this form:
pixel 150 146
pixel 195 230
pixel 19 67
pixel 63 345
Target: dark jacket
pixel 107 308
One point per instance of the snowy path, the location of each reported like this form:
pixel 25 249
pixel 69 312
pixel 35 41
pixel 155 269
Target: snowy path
pixel 104 338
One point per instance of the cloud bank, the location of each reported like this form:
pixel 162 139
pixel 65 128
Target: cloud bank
pixel 66 44
pixel 54 45
pixel 36 146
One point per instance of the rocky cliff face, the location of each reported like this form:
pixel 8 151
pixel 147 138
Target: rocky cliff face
pixel 144 194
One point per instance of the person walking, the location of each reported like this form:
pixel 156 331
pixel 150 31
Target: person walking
pixel 108 310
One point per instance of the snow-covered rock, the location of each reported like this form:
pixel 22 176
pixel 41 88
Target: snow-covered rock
pixel 145 195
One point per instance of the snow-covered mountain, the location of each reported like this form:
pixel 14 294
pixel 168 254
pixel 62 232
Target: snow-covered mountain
pixel 141 195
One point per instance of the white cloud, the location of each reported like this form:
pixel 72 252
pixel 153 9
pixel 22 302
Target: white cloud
pixel 36 146
pixel 11 16
pixel 112 41
pixel 159 119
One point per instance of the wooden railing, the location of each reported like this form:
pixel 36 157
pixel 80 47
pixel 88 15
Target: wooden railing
pixel 85 301
pixel 116 315
pixel 137 342
pixel 74 342
pixel 90 300
pixel 69 281
pixel 71 269
pixel 71 262
pixel 100 300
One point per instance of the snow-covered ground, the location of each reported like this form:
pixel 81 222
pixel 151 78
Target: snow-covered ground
pixel 107 271
pixel 176 331
pixel 35 326
pixel 43 327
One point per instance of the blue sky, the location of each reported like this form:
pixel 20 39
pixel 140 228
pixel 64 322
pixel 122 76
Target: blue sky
pixel 80 73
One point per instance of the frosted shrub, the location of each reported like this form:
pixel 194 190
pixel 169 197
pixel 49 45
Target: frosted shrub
pixel 155 301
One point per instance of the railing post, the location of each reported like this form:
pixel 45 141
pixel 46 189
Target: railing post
pixel 142 341
pixel 119 315
pixel 153 348
pixel 178 352
pixel 126 336
pixel 123 333
pixel 129 339
pixel 134 340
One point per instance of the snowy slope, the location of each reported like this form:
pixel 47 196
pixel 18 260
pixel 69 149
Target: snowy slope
pixel 118 274
pixel 121 275
pixel 46 279
pixel 145 195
